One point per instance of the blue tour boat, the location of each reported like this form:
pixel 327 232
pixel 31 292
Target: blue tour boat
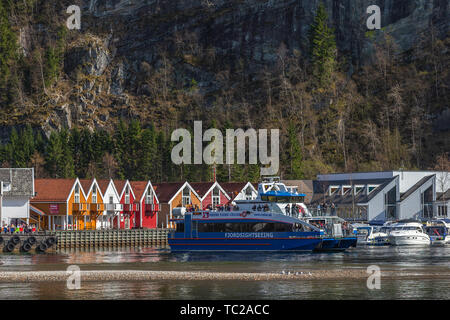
pixel 275 221
pixel 250 231
pixel 243 231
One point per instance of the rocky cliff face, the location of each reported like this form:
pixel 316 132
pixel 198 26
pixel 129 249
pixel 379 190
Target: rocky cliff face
pixel 121 38
pixel 254 29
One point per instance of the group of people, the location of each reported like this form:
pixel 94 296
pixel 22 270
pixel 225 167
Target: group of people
pixel 324 206
pixel 19 228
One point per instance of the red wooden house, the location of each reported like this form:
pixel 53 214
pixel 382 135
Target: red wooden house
pixel 211 194
pixel 147 214
pixel 127 217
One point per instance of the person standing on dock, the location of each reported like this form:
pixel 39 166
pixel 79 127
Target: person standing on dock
pixel 333 209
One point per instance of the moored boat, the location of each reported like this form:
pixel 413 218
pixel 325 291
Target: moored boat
pixel 408 233
pixel 438 231
pixel 371 236
pixel 249 231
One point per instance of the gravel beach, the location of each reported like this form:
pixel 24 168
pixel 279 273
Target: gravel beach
pixel 135 275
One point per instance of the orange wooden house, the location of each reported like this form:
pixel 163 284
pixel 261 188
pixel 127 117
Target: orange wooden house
pixel 94 205
pixel 172 195
pixel 62 201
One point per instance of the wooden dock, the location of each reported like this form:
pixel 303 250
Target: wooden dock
pixel 70 239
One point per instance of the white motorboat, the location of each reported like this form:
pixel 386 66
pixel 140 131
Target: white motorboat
pixel 438 230
pixel 408 233
pixel 373 236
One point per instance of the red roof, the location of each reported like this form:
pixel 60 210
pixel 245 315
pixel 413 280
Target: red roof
pixel 233 188
pixel 201 187
pixel 166 191
pixel 120 184
pixel 86 185
pixel 103 185
pixel 55 190
pixel 138 188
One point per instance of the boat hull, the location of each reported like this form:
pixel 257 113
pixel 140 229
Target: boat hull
pixel 409 240
pixel 243 244
pixel 440 241
pixel 336 244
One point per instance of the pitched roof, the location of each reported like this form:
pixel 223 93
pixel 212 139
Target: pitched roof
pixel 20 180
pixel 139 188
pixel 52 189
pixel 166 191
pixel 86 184
pixel 415 187
pixel 440 196
pixel 103 185
pixel 201 187
pixel 321 187
pixel 233 188
pixel 119 184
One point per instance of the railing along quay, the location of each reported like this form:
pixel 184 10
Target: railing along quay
pixel 69 239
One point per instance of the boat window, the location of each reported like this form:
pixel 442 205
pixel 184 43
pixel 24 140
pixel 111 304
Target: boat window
pixel 297 199
pixel 180 227
pixel 245 227
pixel 363 232
pixel 283 199
pixel 436 231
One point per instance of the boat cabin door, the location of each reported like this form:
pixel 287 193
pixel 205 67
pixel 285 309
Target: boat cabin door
pixel 190 227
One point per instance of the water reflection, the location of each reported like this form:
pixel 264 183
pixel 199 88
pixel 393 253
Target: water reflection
pixel 420 260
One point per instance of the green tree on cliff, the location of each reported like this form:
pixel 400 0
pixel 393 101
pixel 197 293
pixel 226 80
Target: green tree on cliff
pixel 322 47
pixel 294 154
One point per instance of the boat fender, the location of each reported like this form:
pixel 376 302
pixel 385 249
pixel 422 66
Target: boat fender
pixel 42 247
pixel 50 241
pixel 31 240
pixel 9 247
pixel 15 240
pixel 26 247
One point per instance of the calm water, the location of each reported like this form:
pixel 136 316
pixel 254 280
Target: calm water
pixel 421 260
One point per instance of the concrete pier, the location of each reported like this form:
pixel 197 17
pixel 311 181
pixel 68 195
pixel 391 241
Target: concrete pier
pixel 70 239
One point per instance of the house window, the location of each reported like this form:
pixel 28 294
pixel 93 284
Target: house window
pixel 94 194
pixel 333 189
pixel 442 211
pixel 77 194
pixel 127 195
pixel 111 199
pixel 186 196
pixel 248 194
pixel 149 197
pixel 346 190
pixel 359 189
pixel 215 197
pixel 371 188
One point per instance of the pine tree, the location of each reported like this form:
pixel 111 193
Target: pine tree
pixel 322 47
pixel 54 154
pixel 294 154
